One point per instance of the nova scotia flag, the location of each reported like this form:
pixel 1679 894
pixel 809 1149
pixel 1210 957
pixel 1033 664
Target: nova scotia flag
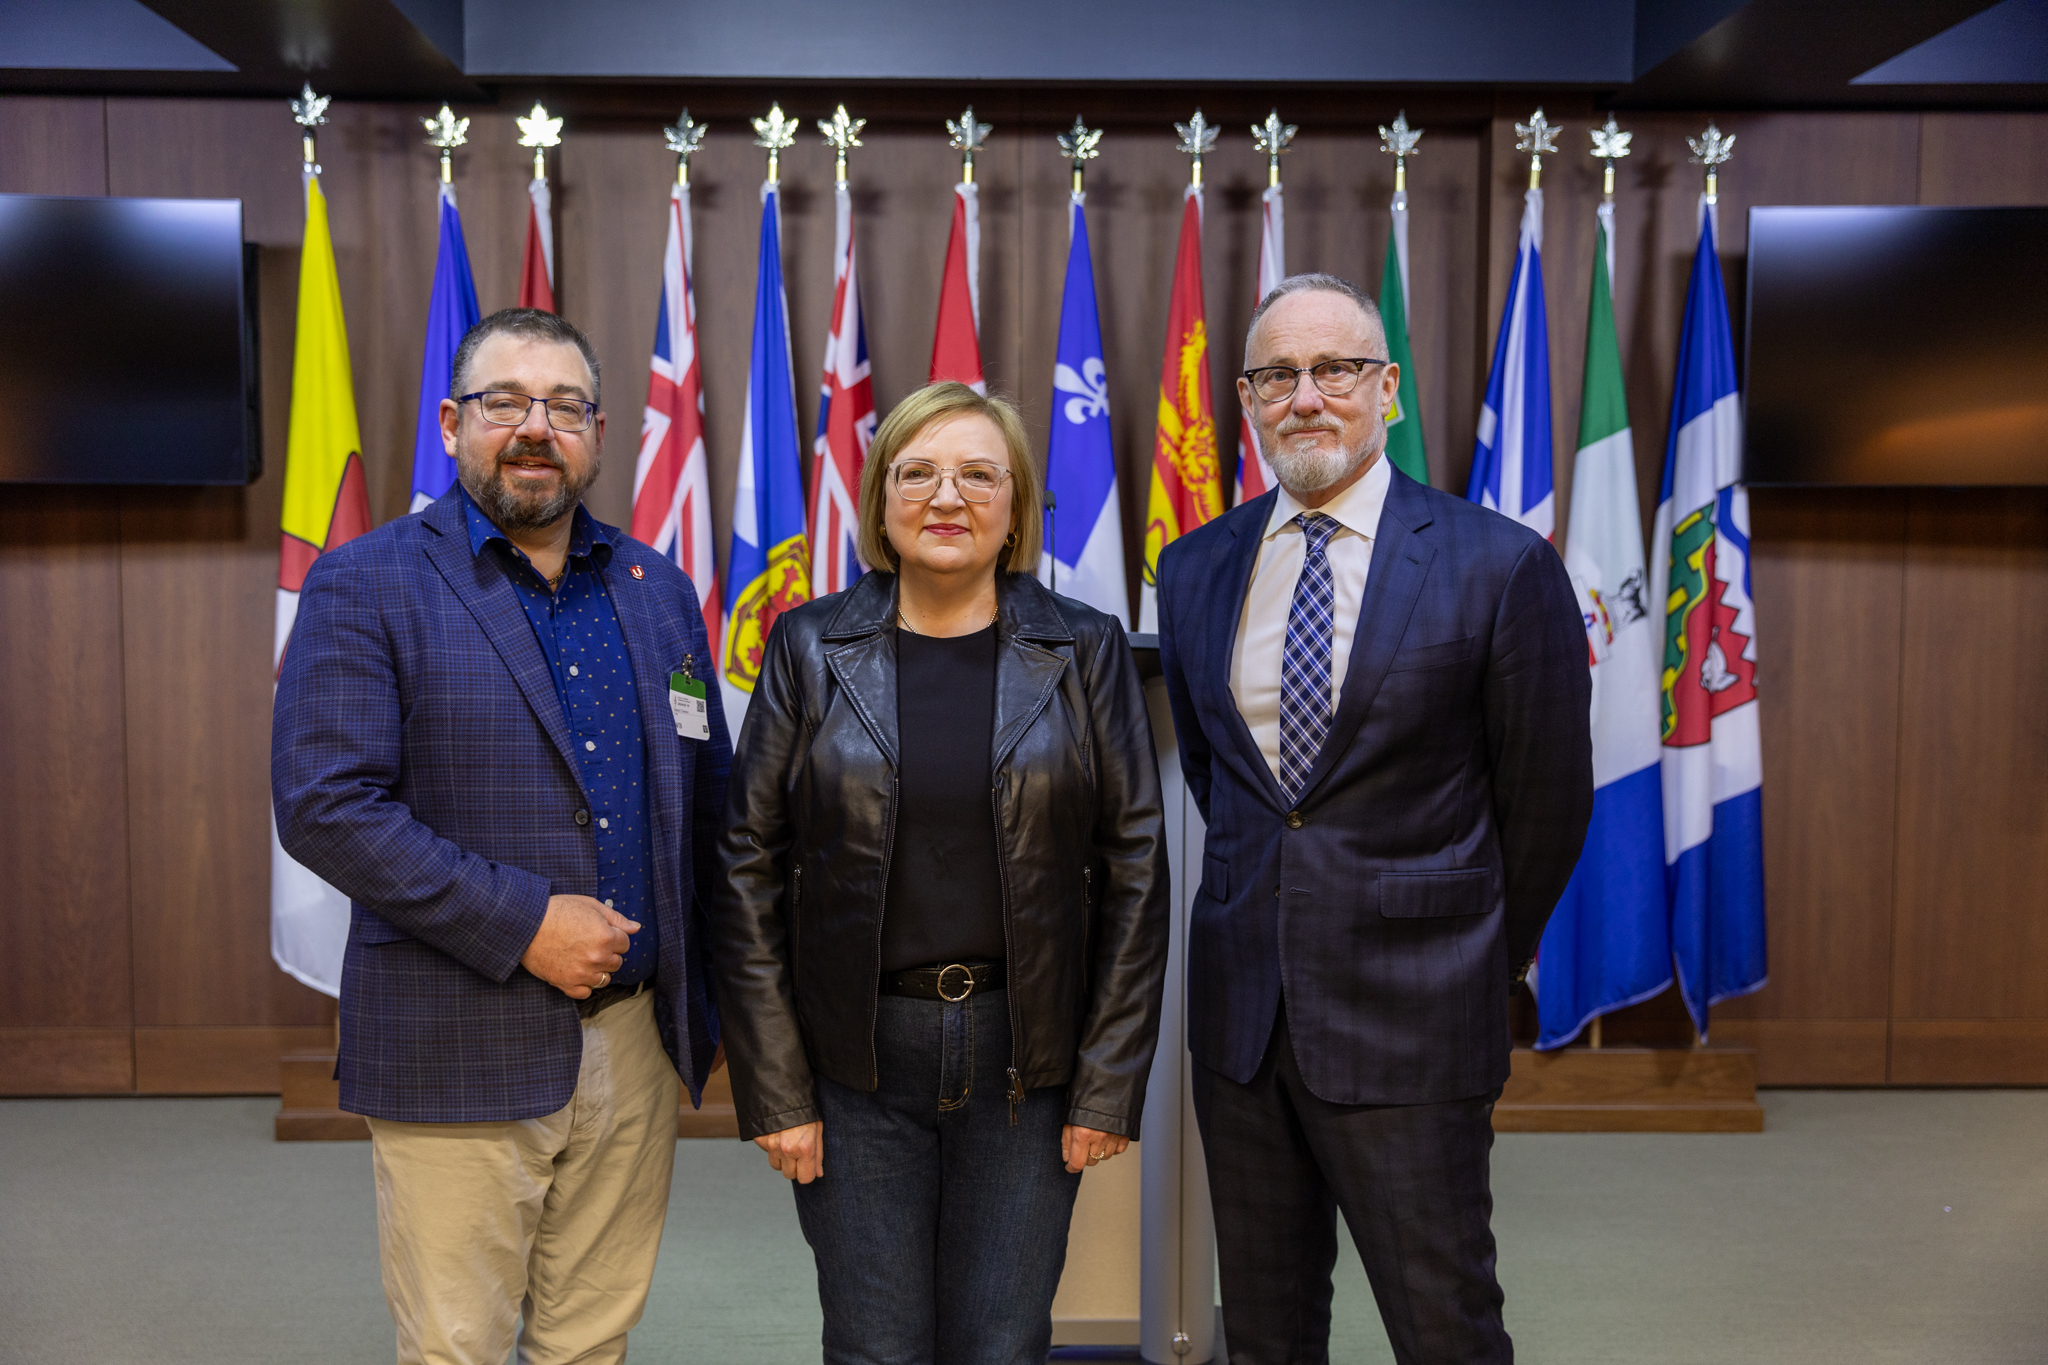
pixel 451 312
pixel 1511 470
pixel 1084 553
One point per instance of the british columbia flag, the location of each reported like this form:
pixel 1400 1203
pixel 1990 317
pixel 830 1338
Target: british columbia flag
pixel 846 423
pixel 672 483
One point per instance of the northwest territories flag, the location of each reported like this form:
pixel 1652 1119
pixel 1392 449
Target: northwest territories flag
pixel 1254 475
pixel 1609 942
pixel 846 421
pixel 1084 555
pixel 1511 460
pixel 767 573
pixel 672 481
pixel 451 312
pixel 1712 768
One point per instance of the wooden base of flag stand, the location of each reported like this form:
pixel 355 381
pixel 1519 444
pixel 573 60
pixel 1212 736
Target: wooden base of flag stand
pixel 310 1107
pixel 1631 1090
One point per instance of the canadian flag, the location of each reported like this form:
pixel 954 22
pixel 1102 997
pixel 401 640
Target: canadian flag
pixel 956 343
pixel 537 269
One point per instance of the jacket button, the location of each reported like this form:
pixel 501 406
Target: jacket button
pixel 1294 819
pixel 582 817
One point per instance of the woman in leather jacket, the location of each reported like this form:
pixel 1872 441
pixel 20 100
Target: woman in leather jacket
pixel 941 936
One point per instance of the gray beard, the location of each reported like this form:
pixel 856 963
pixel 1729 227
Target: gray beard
pixel 1311 470
pixel 513 511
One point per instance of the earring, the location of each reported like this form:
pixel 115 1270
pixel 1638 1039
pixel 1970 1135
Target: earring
pixel 1010 541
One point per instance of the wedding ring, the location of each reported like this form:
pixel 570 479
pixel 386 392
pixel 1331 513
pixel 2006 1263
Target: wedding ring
pixel 604 979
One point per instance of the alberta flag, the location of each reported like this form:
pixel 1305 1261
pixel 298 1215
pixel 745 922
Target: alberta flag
pixel 1713 767
pixel 846 421
pixel 451 312
pixel 1084 554
pixel 768 573
pixel 1609 942
pixel 1511 470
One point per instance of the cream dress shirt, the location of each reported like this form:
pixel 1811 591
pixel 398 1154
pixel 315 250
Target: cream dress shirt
pixel 1262 629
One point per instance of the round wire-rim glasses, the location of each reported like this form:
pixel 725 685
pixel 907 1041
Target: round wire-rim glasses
pixel 504 408
pixel 1332 378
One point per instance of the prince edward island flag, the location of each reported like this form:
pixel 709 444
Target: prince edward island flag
pixel 1712 769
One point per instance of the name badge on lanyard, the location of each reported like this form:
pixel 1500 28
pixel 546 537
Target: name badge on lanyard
pixel 688 703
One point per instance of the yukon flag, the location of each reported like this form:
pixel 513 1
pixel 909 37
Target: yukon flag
pixel 1404 423
pixel 1187 483
pixel 1084 555
pixel 672 482
pixel 325 504
pixel 1713 767
pixel 1511 470
pixel 537 266
pixel 1609 942
pixel 846 421
pixel 1254 475
pixel 956 341
pixel 767 572
pixel 451 312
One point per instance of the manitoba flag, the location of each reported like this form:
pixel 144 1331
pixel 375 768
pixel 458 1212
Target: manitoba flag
pixel 956 341
pixel 325 504
pixel 846 422
pixel 1187 482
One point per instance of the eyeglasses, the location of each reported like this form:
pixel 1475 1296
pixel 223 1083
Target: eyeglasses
pixel 1333 378
pixel 918 480
pixel 502 408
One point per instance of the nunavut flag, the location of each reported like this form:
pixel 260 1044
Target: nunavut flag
pixel 325 504
pixel 1187 481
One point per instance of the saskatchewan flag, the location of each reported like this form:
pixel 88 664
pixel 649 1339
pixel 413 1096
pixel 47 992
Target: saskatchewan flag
pixel 1404 423
pixel 325 504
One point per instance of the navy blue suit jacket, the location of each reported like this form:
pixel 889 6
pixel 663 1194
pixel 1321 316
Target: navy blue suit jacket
pixel 1391 906
pixel 420 764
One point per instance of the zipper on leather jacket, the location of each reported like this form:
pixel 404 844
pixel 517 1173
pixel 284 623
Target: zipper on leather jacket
pixel 1016 1095
pixel 1088 888
pixel 995 805
pixel 796 910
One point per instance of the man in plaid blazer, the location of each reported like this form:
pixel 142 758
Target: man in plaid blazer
pixel 476 741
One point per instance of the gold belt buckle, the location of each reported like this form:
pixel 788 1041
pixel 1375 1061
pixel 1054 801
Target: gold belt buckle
pixel 955 967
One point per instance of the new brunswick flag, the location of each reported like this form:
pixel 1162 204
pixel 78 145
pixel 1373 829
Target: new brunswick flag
pixel 1187 481
pixel 325 504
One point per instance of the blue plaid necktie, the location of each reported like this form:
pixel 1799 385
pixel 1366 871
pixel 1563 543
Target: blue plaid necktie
pixel 1305 660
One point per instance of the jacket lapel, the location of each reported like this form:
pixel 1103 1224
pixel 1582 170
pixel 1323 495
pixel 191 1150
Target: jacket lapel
pixel 865 665
pixel 1400 562
pixel 482 589
pixel 1026 671
pixel 1234 575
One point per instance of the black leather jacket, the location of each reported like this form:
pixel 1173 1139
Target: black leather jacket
pixel 797 923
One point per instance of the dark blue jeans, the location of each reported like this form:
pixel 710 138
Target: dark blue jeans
pixel 939 1229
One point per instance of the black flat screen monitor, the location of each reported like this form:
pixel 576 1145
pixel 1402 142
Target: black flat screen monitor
pixel 127 341
pixel 1897 346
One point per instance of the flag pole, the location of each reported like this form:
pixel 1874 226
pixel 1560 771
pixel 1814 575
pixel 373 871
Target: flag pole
pixel 1537 137
pixel 1197 137
pixel 841 134
pixel 684 139
pixel 446 132
pixel 1080 145
pixel 1710 149
pixel 538 131
pixel 778 134
pixel 1610 144
pixel 1272 137
pixel 966 137
pixel 1398 141
pixel 309 111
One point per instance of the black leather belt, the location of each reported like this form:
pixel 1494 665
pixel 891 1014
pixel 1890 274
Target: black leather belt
pixel 607 996
pixel 953 982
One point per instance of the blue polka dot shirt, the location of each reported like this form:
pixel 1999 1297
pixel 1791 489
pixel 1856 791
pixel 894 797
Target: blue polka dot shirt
pixel 578 630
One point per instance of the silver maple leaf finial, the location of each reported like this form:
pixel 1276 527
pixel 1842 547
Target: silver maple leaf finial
pixel 309 110
pixel 1079 143
pixel 1197 138
pixel 777 133
pixel 446 131
pixel 1712 147
pixel 841 134
pixel 1272 137
pixel 538 130
pixel 1537 137
pixel 965 136
pixel 683 137
pixel 1610 143
pixel 1398 139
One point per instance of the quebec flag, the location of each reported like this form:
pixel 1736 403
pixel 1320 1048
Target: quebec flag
pixel 1712 761
pixel 451 312
pixel 1084 553
pixel 1511 470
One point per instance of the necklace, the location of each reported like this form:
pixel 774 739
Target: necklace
pixel 903 619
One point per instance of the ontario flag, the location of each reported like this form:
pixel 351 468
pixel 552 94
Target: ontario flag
pixel 451 312
pixel 1713 764
pixel 325 505
pixel 769 569
pixel 1511 461
pixel 1254 475
pixel 956 341
pixel 846 421
pixel 1187 482
pixel 672 481
pixel 537 265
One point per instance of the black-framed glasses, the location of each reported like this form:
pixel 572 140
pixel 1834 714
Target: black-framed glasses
pixel 1333 378
pixel 504 408
pixel 919 480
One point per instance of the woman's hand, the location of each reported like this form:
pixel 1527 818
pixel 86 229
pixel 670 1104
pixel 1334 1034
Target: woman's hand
pixel 799 1152
pixel 1085 1147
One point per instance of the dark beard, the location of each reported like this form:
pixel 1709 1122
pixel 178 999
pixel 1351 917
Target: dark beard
pixel 512 510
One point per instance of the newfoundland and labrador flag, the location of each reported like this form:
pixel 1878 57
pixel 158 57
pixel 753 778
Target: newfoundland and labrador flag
pixel 325 504
pixel 1609 942
pixel 768 572
pixel 846 421
pixel 451 312
pixel 1084 554
pixel 1712 762
pixel 1511 470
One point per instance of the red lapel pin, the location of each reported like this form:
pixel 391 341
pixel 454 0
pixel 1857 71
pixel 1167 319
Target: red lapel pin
pixel 637 571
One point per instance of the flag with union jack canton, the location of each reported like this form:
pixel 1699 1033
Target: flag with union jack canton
pixel 846 423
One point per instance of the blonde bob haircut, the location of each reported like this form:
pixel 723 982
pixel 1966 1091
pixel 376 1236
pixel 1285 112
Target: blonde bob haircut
pixel 938 403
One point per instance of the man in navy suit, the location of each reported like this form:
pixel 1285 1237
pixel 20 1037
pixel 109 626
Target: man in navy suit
pixel 1381 697
pixel 493 734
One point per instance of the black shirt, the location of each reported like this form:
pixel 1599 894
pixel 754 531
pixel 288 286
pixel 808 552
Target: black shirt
pixel 945 898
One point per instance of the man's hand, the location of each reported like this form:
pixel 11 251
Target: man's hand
pixel 799 1152
pixel 580 943
pixel 1085 1147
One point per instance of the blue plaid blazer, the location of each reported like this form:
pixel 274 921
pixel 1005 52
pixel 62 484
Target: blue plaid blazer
pixel 420 763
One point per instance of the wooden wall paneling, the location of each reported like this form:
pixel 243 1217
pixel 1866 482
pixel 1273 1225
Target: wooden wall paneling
pixel 1972 935
pixel 52 145
pixel 221 1061
pixel 67 1061
pixel 1983 159
pixel 1970 1052
pixel 1793 1052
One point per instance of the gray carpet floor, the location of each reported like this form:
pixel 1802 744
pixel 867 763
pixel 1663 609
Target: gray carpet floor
pixel 1865 1227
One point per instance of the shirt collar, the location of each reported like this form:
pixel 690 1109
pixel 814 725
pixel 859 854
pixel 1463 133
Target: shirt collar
pixel 586 538
pixel 1357 508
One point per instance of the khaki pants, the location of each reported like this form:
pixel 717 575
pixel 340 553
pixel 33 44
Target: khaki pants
pixel 555 1219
